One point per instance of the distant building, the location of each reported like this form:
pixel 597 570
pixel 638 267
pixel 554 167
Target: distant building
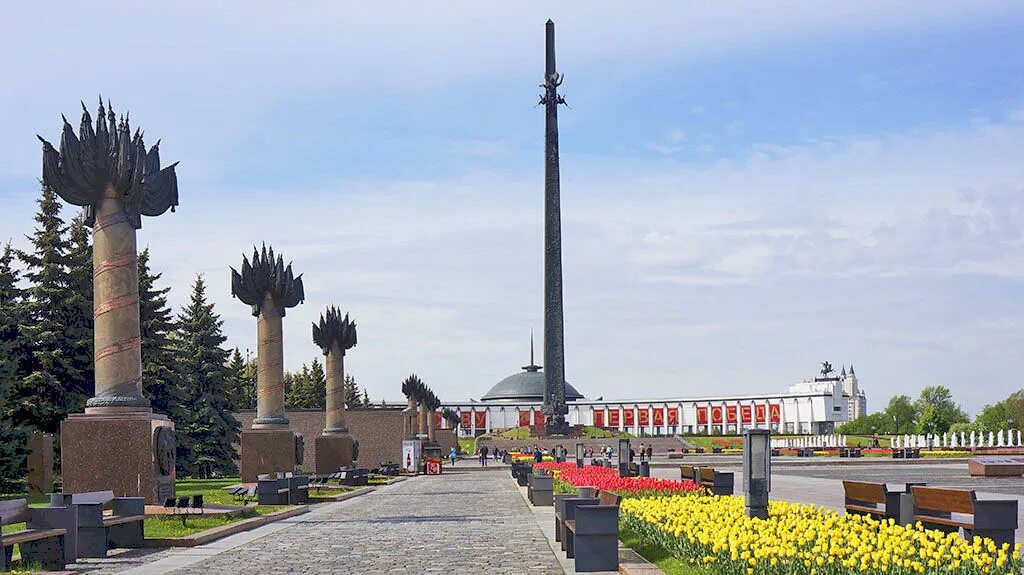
pixel 811 407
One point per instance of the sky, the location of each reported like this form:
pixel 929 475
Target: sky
pixel 746 190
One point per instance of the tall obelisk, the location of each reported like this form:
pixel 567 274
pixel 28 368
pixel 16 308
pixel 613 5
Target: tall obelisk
pixel 554 408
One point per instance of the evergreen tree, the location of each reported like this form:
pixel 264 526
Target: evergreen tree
pixel 353 397
pixel 317 391
pixel 14 359
pixel 79 327
pixel 366 399
pixel 52 384
pixel 160 376
pixel 242 382
pixel 208 430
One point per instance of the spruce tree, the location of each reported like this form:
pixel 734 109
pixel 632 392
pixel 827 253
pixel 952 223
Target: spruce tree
pixel 297 388
pixel 160 376
pixel 316 397
pixel 52 384
pixel 79 327
pixel 14 359
pixel 208 430
pixel 239 394
pixel 366 399
pixel 353 397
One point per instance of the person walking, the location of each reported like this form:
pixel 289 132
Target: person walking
pixel 650 452
pixel 538 455
pixel 453 455
pixel 643 452
pixel 483 456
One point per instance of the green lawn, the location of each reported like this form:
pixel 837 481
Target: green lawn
pixel 666 562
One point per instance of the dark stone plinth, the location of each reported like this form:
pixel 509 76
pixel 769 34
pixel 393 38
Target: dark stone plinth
pixel 40 463
pixel 333 452
pixel 117 451
pixel 267 451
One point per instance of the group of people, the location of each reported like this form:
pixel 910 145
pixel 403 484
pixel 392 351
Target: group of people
pixel 645 452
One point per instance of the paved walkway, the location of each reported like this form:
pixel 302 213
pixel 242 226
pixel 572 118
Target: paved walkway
pixel 460 522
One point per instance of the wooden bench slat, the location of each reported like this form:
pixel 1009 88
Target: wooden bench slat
pixel 944 521
pixel 28 535
pixel 118 520
pixel 940 499
pixel 863 491
pixel 571 525
pixel 862 509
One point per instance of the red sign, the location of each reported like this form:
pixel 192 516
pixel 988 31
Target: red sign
pixel 702 416
pixel 776 412
pixel 731 414
pixel 673 416
pixel 659 416
pixel 747 413
pixel 716 414
pixel 613 417
pixel 628 417
pixel 524 419
pixel 464 416
pixel 480 419
pixel 760 413
pixel 643 417
pixel 438 421
pixel 433 467
pixel 538 419
pixel 599 418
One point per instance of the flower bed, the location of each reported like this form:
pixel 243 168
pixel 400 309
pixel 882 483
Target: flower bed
pixel 522 457
pixel 804 539
pixel 605 478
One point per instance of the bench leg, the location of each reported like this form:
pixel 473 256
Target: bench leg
pixel 558 529
pixel 47 553
pixel 569 544
pixel 6 554
pixel 597 553
pixel 92 542
pixel 1000 536
pixel 126 536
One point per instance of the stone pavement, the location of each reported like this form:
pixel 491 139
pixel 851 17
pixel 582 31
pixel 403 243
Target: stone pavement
pixel 461 522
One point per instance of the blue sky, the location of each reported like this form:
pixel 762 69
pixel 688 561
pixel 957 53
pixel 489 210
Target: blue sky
pixel 746 191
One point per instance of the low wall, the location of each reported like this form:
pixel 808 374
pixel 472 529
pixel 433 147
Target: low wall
pixel 378 430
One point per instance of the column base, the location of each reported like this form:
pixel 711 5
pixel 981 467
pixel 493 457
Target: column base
pixel 267 451
pixel 333 450
pixel 128 452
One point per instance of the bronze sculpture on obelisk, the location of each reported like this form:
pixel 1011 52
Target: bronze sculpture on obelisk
pixel 270 288
pixel 554 408
pixel 118 444
pixel 334 335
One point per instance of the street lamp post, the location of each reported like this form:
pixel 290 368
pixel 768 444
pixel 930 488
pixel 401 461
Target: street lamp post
pixel 579 455
pixel 757 471
pixel 624 457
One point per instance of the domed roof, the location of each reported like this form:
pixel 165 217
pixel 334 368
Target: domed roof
pixel 526 385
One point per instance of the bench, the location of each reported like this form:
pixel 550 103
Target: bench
pixel 717 482
pixel 98 531
pixel 559 503
pixel 689 473
pixel 388 469
pixel 852 452
pixel 872 499
pixel 43 542
pixel 953 509
pixel 805 452
pixel 906 453
pixel 298 489
pixel 354 476
pixel 184 506
pixel 592 533
pixel 272 489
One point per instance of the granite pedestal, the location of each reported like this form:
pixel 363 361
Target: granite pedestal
pixel 333 451
pixel 267 451
pixel 114 449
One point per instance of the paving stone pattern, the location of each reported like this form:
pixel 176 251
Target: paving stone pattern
pixel 461 522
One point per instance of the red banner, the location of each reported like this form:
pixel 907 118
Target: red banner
pixel 465 421
pixel 628 417
pixel 524 419
pixel 747 413
pixel 731 414
pixel 702 416
pixel 761 413
pixel 613 418
pixel 643 417
pixel 538 419
pixel 776 411
pixel 659 416
pixel 673 416
pixel 716 415
pixel 480 419
pixel 599 418
pixel 438 421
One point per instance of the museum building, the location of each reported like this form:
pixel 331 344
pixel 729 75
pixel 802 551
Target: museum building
pixel 812 406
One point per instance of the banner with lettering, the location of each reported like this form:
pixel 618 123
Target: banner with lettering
pixel 673 416
pixel 716 414
pixel 538 419
pixel 761 413
pixel 464 419
pixel 438 421
pixel 524 419
pixel 747 413
pixel 659 416
pixel 628 417
pixel 702 416
pixel 598 418
pixel 731 413
pixel 480 419
pixel 613 417
pixel 643 417
pixel 776 412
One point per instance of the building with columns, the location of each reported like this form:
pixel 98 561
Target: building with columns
pixel 811 407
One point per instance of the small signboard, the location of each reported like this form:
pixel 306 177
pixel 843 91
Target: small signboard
pixel 433 467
